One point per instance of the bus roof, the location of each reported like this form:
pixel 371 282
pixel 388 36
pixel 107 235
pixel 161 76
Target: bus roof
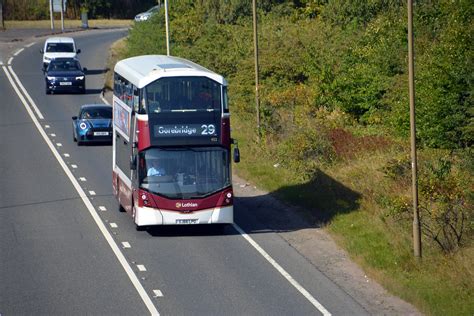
pixel 142 70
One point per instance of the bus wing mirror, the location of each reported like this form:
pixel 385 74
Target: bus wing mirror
pixel 133 162
pixel 236 155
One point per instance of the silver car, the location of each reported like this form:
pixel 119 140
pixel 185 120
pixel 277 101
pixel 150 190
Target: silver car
pixel 146 15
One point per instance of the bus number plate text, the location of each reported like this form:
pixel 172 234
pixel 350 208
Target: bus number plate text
pixel 187 221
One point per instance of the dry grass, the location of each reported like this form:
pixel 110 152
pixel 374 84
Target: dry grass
pixel 46 24
pixel 115 53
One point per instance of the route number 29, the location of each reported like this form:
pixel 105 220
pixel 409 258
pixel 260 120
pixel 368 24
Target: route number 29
pixel 208 129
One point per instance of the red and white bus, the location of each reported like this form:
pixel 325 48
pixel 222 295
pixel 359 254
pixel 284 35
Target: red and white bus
pixel 171 142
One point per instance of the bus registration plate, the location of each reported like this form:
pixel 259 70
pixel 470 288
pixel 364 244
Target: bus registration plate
pixel 187 221
pixel 101 133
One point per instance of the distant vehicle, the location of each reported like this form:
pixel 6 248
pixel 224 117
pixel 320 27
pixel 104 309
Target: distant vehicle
pixel 65 74
pixel 93 124
pixel 58 47
pixel 147 14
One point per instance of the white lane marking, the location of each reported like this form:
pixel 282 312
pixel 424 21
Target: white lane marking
pixel 53 135
pixel 102 208
pixel 141 267
pixel 30 44
pixel 92 192
pixel 108 237
pixel 18 51
pixel 66 155
pixel 283 272
pixel 10 60
pixel 59 144
pixel 126 244
pixel 104 100
pixel 1 63
pixel 157 293
pixel 83 179
pixel 46 126
pixel 33 104
pixel 113 225
pixel 74 166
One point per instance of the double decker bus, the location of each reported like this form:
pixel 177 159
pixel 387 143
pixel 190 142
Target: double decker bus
pixel 171 142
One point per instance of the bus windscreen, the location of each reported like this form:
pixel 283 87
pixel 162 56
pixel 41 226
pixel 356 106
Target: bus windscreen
pixel 183 94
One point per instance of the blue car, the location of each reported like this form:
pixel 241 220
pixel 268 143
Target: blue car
pixel 65 75
pixel 93 124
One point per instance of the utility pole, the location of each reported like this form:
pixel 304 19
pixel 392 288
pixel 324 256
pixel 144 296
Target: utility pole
pixel 62 15
pixel 51 13
pixel 414 172
pixel 255 42
pixel 167 29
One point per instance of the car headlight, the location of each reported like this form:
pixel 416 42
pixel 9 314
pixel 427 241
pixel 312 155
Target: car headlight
pixel 80 78
pixel 51 78
pixel 83 125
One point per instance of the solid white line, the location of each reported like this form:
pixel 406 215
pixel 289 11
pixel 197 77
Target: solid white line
pixel 30 44
pixel 104 100
pixel 141 267
pixel 283 272
pixel 33 104
pixel 108 237
pixel 18 51
pixel 126 244
pixel 10 60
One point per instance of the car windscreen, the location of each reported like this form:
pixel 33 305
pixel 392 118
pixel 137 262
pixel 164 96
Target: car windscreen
pixel 96 113
pixel 64 65
pixel 184 173
pixel 60 48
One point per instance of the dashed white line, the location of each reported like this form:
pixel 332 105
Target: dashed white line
pixel 59 144
pixel 102 208
pixel 18 51
pixel 91 192
pixel 83 179
pixel 52 135
pixel 66 155
pixel 74 166
pixel 113 225
pixel 141 267
pixel 30 44
pixel 46 126
pixel 157 293
pixel 126 244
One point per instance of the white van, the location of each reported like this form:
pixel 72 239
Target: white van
pixel 55 47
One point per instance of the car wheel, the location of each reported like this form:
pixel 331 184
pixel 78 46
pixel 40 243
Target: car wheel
pixel 74 137
pixel 48 91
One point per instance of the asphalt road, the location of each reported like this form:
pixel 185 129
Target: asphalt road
pixel 65 248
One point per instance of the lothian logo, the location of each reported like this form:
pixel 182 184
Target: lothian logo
pixel 188 204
